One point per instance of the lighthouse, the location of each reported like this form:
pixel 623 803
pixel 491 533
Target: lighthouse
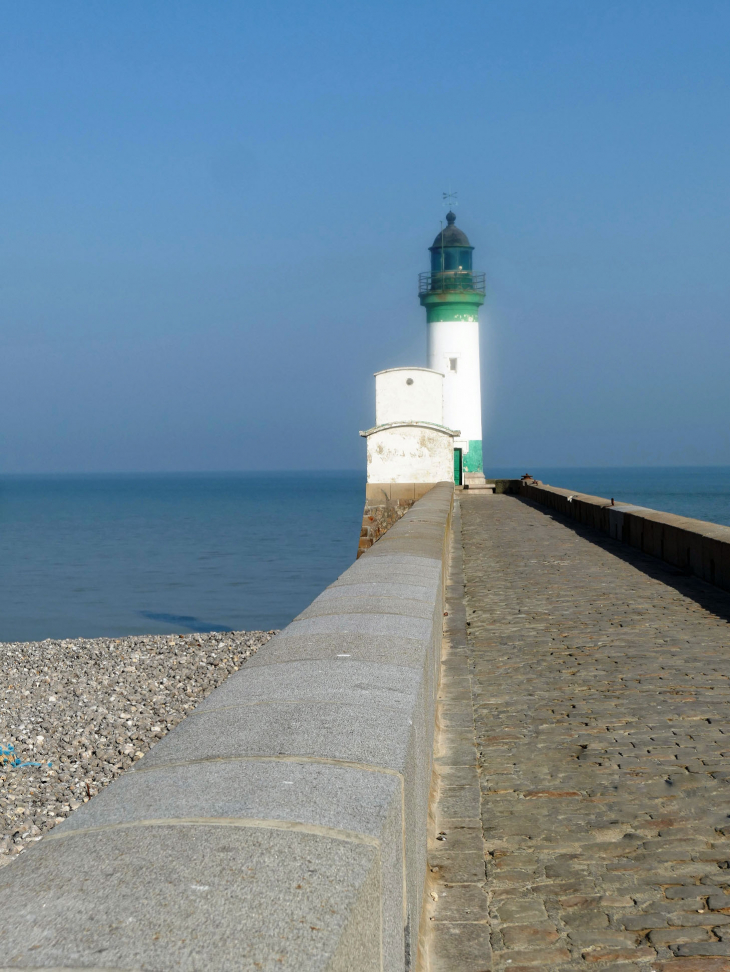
pixel 452 293
pixel 428 421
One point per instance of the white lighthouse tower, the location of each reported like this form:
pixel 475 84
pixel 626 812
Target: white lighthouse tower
pixel 452 294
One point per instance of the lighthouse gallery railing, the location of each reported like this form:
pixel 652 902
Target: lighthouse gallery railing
pixel 451 280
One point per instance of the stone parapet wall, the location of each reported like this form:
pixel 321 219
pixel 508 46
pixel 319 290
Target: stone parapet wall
pixel 694 546
pixel 385 504
pixel 281 825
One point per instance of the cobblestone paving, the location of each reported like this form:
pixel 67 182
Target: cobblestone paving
pixel 600 686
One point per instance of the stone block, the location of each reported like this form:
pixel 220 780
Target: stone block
pixel 641 953
pixel 461 947
pixel 429 547
pixel 581 936
pixel 379 589
pixel 532 958
pixel 677 936
pixel 703 948
pixel 395 563
pixel 301 791
pixel 456 775
pixel 377 494
pixel 194 897
pixel 459 802
pixel 521 910
pixel 302 796
pixel 317 682
pixel 530 935
pixel 460 839
pixel 368 604
pixel 461 903
pixel 451 868
pixel 404 492
pixel 388 625
pixel 343 648
pixel 689 919
pixel 692 891
pixel 644 922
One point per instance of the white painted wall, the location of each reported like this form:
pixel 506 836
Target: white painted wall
pixel 410 454
pixel 462 389
pixel 409 395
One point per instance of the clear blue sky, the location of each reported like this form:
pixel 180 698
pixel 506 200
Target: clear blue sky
pixel 214 213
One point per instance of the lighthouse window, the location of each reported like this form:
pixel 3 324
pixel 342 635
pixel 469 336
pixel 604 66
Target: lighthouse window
pixel 452 364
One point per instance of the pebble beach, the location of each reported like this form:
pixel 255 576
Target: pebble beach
pixel 75 714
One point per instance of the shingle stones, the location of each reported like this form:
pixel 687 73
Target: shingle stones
pixel 86 709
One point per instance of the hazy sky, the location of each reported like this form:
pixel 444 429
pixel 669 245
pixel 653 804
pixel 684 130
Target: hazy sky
pixel 214 214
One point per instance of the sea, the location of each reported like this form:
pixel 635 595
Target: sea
pixel 115 555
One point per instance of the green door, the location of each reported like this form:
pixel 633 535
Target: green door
pixel 457 467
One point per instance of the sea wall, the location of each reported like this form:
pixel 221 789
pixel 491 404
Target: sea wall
pixel 385 504
pixel 694 546
pixel 282 825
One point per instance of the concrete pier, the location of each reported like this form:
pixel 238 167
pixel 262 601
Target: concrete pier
pixel 553 795
pixel 582 752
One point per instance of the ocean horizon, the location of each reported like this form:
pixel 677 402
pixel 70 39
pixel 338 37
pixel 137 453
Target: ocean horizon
pixel 116 554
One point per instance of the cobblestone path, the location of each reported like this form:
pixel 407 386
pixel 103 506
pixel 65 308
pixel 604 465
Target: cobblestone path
pixel 600 686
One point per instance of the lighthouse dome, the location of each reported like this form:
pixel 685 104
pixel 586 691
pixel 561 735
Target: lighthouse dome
pixel 452 235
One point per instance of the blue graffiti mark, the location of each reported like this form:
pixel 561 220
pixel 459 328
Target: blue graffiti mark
pixel 8 758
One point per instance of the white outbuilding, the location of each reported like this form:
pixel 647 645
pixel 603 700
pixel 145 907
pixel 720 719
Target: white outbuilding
pixel 409 442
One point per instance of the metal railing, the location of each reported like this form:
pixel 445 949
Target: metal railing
pixel 451 280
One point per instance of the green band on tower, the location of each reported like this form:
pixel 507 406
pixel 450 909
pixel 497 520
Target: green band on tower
pixel 472 460
pixel 450 306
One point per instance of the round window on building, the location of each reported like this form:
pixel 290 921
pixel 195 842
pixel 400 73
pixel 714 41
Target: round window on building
pixel 409 381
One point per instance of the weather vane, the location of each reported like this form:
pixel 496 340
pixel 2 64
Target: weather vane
pixel 450 199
